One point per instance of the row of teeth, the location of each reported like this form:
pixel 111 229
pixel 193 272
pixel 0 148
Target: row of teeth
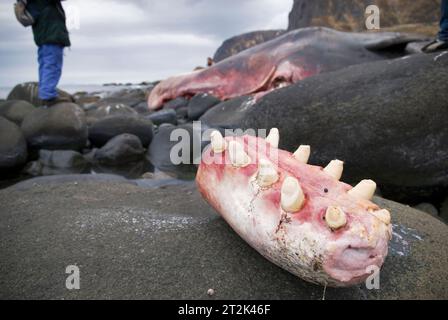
pixel 291 194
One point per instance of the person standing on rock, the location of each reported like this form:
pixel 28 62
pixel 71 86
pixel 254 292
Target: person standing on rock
pixel 441 42
pixel 51 37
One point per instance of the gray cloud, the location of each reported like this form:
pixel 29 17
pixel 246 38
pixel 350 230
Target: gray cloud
pixel 136 40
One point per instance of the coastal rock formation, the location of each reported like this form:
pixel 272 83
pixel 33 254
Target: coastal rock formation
pixel 60 127
pixel 349 15
pixel 28 91
pixel 131 242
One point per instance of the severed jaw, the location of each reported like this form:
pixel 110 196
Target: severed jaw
pixel 299 216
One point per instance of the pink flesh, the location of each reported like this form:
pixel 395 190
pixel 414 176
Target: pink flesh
pixel 351 253
pixel 234 77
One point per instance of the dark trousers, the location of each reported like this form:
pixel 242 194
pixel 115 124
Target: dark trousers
pixel 50 58
pixel 443 34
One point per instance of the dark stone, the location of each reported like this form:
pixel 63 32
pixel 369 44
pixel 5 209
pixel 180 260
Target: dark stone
pixel 142 108
pixel 15 110
pixel 176 103
pixel 163 116
pixel 182 113
pixel 61 127
pixel 444 210
pixel 386 120
pixel 167 243
pixel 121 149
pixel 105 129
pixel 61 158
pixel 108 110
pixel 13 150
pixel 199 104
pixel 428 208
pixel 185 139
pixel 227 114
pixel 29 92
pixel 244 41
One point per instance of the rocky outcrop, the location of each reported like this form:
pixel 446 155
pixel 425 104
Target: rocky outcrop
pixel 167 243
pixel 349 15
pixel 61 127
pixel 244 41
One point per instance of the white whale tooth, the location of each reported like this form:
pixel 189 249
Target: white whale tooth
pixel 218 142
pixel 383 215
pixel 267 174
pixel 291 195
pixel 335 168
pixel 302 154
pixel 335 217
pixel 237 155
pixel 273 137
pixel 363 190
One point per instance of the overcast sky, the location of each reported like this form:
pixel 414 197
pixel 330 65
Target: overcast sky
pixel 136 40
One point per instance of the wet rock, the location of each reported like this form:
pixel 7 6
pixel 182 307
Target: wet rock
pixel 15 110
pixel 13 149
pixel 61 127
pixel 167 243
pixel 174 148
pixel 142 108
pixel 176 103
pixel 244 41
pixel 29 92
pixel 57 162
pixel 108 110
pixel 199 104
pixel 428 208
pixel 121 149
pixel 105 129
pixel 368 115
pixel 163 116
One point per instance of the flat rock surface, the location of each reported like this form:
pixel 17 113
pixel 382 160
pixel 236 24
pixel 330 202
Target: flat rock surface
pixel 166 242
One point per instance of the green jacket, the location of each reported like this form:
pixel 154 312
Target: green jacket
pixel 49 27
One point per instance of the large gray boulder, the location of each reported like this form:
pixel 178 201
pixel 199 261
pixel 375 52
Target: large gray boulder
pixel 387 120
pixel 167 243
pixel 61 127
pixel 122 149
pixel 28 91
pixel 106 128
pixel 13 149
pixel 15 110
